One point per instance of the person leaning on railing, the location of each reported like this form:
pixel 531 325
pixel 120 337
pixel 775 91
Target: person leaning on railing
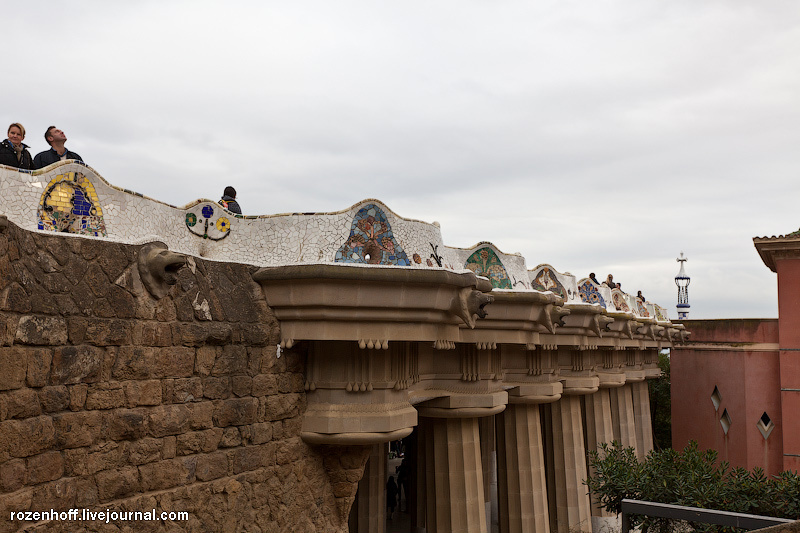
pixel 13 152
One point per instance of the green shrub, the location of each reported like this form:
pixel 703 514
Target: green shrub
pixel 692 478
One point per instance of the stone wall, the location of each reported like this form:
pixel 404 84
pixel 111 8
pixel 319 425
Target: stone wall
pixel 111 399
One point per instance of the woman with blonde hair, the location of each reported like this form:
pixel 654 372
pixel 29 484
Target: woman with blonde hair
pixel 13 152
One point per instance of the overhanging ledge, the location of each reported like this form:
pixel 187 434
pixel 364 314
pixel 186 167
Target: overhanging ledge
pixel 372 304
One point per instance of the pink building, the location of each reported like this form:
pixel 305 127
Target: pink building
pixel 736 383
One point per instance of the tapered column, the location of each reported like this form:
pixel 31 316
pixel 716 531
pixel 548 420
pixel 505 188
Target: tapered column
pixel 599 429
pixel 623 416
pixel 453 476
pixel 522 488
pixel 489 461
pixel 572 498
pixel 368 514
pixel 644 424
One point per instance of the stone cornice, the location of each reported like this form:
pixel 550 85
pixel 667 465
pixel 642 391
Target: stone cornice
pixel 772 248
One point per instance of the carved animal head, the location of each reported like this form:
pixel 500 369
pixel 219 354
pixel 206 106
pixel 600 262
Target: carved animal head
pixel 469 303
pixel 158 268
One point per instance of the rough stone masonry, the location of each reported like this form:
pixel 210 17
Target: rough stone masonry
pixel 113 399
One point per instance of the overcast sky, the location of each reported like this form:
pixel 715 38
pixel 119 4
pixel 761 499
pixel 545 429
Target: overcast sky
pixel 601 136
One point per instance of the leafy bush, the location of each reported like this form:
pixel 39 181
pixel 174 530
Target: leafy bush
pixel 692 478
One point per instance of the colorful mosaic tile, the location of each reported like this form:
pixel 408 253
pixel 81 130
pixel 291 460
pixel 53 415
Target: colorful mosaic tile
pixel 590 294
pixel 619 303
pixel 69 204
pixel 484 262
pixel 659 315
pixel 642 309
pixel 546 280
pixel 371 240
pixel 200 221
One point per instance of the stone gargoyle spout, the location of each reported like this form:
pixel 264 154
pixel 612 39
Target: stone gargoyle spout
pixel 553 316
pixel 158 268
pixel 470 303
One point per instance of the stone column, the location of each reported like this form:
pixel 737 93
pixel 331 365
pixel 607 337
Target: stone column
pixel 599 429
pixel 453 475
pixel 489 459
pixel 522 487
pixel 624 420
pixel 368 514
pixel 573 510
pixel 644 423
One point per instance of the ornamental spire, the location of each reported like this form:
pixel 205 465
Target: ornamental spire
pixel 682 281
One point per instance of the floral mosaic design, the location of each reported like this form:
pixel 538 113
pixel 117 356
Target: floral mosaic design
pixel 69 204
pixel 642 308
pixel 201 221
pixel 484 262
pixel 546 280
pixel 590 294
pixel 371 240
pixel 659 315
pixel 619 303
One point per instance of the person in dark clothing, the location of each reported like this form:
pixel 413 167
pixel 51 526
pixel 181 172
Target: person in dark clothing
pixel 57 152
pixel 403 471
pixel 13 152
pixel 391 496
pixel 593 278
pixel 639 295
pixel 229 202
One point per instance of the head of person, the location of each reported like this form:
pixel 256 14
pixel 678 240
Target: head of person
pixel 639 294
pixel 16 133
pixel 54 134
pixel 591 275
pixel 229 191
pixel 610 278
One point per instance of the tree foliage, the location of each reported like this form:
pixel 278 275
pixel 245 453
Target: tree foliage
pixel 692 478
pixel 661 404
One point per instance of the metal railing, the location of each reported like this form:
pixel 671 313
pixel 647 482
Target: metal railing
pixel 696 514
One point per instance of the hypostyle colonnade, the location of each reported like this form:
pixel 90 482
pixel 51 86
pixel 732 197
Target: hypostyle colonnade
pixel 510 387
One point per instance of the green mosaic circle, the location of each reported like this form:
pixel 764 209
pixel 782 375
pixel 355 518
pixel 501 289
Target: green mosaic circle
pixel 191 219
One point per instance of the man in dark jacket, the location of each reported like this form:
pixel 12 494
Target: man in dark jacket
pixel 229 200
pixel 57 152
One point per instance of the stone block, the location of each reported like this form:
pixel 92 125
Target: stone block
pixel 206 355
pixel 58 494
pixel 230 438
pixel 170 445
pixel 125 424
pixel 76 327
pixel 261 432
pixel 282 406
pixel 14 363
pixel 77 396
pixel 23 438
pixel 121 302
pixel 204 441
pixel 14 298
pixel 142 451
pixel 108 332
pixel 41 331
pixel 201 415
pixel 205 334
pixel 235 412
pixel 256 334
pixel 134 362
pixel 265 385
pixel 153 334
pixel 216 388
pixel 105 456
pixel 20 403
pixel 186 390
pixel 107 395
pixel 212 466
pixel 12 475
pixel 247 458
pixel 169 473
pixel 174 362
pixel 86 494
pixel 54 399
pixel 115 484
pixel 75 462
pixel 241 385
pixel 44 467
pixel 142 392
pixel 73 430
pixel 232 360
pixel 172 419
pixel 39 360
pixel 76 364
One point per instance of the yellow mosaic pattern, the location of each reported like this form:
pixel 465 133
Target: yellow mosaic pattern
pixel 70 204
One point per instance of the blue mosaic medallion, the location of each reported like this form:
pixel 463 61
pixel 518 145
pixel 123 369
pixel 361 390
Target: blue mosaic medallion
pixel 371 240
pixel 590 294
pixel 202 220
